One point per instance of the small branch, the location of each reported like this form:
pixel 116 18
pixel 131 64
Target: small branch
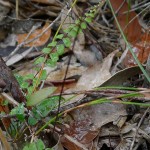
pixel 139 124
pixel 10 99
pixel 7 116
pixel 17 8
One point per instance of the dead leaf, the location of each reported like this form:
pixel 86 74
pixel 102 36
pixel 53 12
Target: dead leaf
pixel 38 42
pixel 88 121
pixel 100 115
pixel 58 145
pixel 127 20
pixel 92 77
pixel 92 118
pixel 127 128
pixel 71 145
pixel 141 50
pixel 96 75
pixel 121 76
pixel 87 57
pixel 109 131
pixel 60 73
pixel 81 131
pixel 4 109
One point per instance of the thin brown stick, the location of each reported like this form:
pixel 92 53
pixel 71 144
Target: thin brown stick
pixel 139 124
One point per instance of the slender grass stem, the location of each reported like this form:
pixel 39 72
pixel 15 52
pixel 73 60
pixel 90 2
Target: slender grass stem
pixel 127 43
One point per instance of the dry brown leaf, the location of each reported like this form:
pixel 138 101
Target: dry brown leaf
pixel 121 77
pixel 128 21
pixel 96 75
pixel 141 49
pixel 79 130
pixel 60 73
pixel 92 118
pixel 6 121
pixel 124 16
pixel 88 121
pixel 101 114
pixel 93 77
pixel 38 42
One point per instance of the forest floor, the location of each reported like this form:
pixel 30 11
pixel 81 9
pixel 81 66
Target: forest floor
pixel 74 75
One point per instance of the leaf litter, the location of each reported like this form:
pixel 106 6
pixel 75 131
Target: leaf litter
pixel 103 125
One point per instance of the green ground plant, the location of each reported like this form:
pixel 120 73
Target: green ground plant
pixel 37 98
